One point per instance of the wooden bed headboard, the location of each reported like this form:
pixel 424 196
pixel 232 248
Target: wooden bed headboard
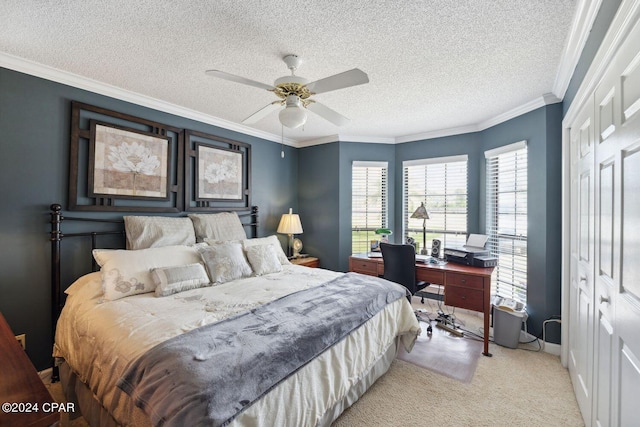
pixel 248 217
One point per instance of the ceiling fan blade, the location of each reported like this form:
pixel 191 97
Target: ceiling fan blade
pixel 339 81
pixel 328 114
pixel 262 113
pixel 238 79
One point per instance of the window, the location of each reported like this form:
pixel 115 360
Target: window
pixel 507 219
pixel 368 203
pixel 440 183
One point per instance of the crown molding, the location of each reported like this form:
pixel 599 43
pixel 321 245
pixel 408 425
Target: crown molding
pixel 440 133
pixel 53 74
pixel 545 99
pixel 583 19
pixel 318 141
pixel 70 79
pixel 627 15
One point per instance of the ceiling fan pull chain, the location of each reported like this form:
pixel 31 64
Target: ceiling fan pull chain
pixel 282 141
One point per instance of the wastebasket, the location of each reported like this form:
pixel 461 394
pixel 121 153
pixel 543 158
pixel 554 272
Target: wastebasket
pixel 507 324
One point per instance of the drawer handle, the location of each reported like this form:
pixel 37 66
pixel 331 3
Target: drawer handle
pixel 583 279
pixel 463 280
pixel 604 299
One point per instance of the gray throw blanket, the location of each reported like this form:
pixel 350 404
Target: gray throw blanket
pixel 211 374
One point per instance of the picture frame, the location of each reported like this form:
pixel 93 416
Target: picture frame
pixel 219 173
pixel 127 163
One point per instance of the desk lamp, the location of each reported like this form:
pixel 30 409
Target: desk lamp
pixel 290 224
pixel 421 213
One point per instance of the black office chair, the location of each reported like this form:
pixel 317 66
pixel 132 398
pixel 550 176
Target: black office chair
pixel 400 267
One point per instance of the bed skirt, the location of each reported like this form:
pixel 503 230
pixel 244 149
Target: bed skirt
pixel 96 415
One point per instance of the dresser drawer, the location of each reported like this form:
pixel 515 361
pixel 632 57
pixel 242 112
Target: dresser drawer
pixel 363 266
pixel 430 276
pixel 464 280
pixel 471 299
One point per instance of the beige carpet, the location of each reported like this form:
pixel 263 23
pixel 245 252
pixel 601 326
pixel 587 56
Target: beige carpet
pixel 515 387
pixel 512 388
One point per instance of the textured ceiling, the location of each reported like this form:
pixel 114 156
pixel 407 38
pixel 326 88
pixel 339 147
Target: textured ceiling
pixel 432 64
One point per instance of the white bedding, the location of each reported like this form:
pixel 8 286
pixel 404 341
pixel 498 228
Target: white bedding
pixel 99 339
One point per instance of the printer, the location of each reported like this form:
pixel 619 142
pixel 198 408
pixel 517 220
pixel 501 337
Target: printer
pixel 472 253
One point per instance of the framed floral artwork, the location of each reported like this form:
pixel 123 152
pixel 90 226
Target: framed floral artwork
pixel 219 173
pixel 128 163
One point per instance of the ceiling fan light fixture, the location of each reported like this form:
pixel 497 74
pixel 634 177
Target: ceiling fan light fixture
pixel 293 116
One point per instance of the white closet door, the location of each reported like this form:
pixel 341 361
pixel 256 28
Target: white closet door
pixel 623 148
pixel 581 287
pixel 617 239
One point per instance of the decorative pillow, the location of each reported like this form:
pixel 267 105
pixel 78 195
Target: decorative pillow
pixel 171 280
pixel 271 240
pixel 221 226
pixel 127 273
pixel 225 262
pixel 213 242
pixel 154 231
pixel 81 282
pixel 263 259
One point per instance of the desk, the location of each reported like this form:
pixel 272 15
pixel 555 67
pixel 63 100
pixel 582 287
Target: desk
pixel 464 286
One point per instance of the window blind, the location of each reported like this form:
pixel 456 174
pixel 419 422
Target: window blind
pixel 507 219
pixel 440 183
pixel 368 203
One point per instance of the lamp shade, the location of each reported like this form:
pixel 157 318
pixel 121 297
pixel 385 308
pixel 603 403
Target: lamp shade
pixel 420 212
pixel 290 223
pixel 293 116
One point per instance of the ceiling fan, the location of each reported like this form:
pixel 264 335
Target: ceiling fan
pixel 295 94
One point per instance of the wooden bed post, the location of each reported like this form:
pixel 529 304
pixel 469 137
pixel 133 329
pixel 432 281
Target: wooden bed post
pixel 254 220
pixel 56 235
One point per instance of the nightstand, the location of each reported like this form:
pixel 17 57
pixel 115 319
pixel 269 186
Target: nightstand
pixel 308 261
pixel 21 385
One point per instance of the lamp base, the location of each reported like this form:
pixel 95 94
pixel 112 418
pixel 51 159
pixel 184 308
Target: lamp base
pixel 424 251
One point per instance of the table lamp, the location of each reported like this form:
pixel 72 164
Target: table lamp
pixel 421 213
pixel 290 224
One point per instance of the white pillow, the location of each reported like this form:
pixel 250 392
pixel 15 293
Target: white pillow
pixel 271 240
pixel 127 273
pixel 81 282
pixel 221 226
pixel 225 262
pixel 155 231
pixel 263 259
pixel 171 280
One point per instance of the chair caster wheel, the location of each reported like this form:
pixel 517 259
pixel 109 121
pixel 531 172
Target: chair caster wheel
pixel 429 330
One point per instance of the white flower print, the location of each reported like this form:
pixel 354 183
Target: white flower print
pixel 134 157
pixel 216 173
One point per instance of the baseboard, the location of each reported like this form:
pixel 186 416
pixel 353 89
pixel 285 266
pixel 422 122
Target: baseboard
pixel 547 347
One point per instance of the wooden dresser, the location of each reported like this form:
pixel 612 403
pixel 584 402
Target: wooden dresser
pixel 24 398
pixel 308 261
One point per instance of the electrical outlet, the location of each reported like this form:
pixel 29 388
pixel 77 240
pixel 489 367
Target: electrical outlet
pixel 22 339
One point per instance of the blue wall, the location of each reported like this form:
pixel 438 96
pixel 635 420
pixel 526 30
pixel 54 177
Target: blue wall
pixel 543 132
pixel 34 163
pixel 540 128
pixel 314 181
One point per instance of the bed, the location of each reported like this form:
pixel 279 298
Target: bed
pixel 253 350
